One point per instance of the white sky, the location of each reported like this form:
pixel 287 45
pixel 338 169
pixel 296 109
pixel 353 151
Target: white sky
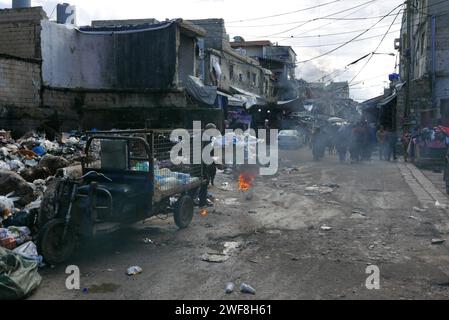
pixel 374 76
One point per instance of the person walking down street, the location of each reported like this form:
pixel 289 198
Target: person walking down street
pixel 405 140
pixel 382 143
pixel 392 140
pixel 358 141
pixel 371 141
pixel 342 142
pixel 366 142
pixel 318 144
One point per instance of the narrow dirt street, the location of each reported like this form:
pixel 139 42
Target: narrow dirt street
pixel 378 213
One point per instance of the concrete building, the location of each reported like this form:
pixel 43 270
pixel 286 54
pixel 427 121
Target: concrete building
pixel 332 100
pixel 424 48
pixel 239 73
pixel 339 89
pixel 280 60
pixel 103 76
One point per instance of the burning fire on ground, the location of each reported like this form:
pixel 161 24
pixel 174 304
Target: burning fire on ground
pixel 246 181
pixel 204 213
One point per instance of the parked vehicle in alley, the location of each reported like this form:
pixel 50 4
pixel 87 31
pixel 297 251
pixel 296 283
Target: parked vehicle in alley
pixel 290 139
pixel 128 176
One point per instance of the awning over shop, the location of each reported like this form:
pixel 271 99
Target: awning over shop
pixel 281 103
pixel 202 93
pixel 233 101
pixel 250 98
pixel 387 100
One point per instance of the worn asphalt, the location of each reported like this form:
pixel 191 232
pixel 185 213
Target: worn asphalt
pixel 377 213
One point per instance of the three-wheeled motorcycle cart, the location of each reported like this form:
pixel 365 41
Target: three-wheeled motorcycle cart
pixel 128 176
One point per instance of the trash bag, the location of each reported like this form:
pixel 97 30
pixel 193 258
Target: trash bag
pixel 19 277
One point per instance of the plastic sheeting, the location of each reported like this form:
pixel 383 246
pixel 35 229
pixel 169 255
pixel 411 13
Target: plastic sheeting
pixel 202 93
pixel 18 276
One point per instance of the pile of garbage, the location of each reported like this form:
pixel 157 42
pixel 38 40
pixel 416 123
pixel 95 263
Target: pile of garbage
pixel 28 152
pixel 27 166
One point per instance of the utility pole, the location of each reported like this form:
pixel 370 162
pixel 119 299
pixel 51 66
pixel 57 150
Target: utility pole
pixel 409 59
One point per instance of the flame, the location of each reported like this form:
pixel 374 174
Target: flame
pixel 246 181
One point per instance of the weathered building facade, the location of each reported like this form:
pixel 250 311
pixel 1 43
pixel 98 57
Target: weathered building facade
pixel 238 73
pixel 424 67
pixel 280 60
pixel 102 77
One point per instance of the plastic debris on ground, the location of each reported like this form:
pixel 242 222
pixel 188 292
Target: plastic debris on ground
pixel 13 237
pixel 215 257
pixel 321 189
pixel 247 289
pixel 438 241
pixel 230 287
pixel 20 276
pixel 133 271
pixel 229 248
pixel 28 250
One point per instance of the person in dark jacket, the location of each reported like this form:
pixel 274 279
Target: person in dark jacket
pixel 343 141
pixel 392 140
pixel 318 144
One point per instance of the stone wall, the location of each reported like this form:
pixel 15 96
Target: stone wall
pixel 20 32
pixel 20 83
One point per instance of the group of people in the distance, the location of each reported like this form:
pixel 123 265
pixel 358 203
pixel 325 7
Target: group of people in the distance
pixel 359 141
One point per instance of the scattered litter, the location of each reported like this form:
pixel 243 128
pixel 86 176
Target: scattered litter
pixel 438 241
pixel 295 259
pixel 28 250
pixel 225 186
pixel 7 204
pixel 325 228
pixel 231 247
pixel 148 241
pixel 215 257
pixel 247 289
pixel 13 237
pixel 319 190
pixel 439 205
pixel 413 218
pixel 132 271
pixel 230 287
pixel 419 209
pixel 330 185
pixel 231 201
pixel 225 255
pixel 39 151
pixel 19 276
pixel 359 212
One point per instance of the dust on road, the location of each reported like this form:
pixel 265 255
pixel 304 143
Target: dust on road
pixel 280 247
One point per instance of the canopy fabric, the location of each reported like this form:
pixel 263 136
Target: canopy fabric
pixel 250 98
pixel 387 100
pixel 202 93
pixel 445 130
pixel 233 101
pixel 280 103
